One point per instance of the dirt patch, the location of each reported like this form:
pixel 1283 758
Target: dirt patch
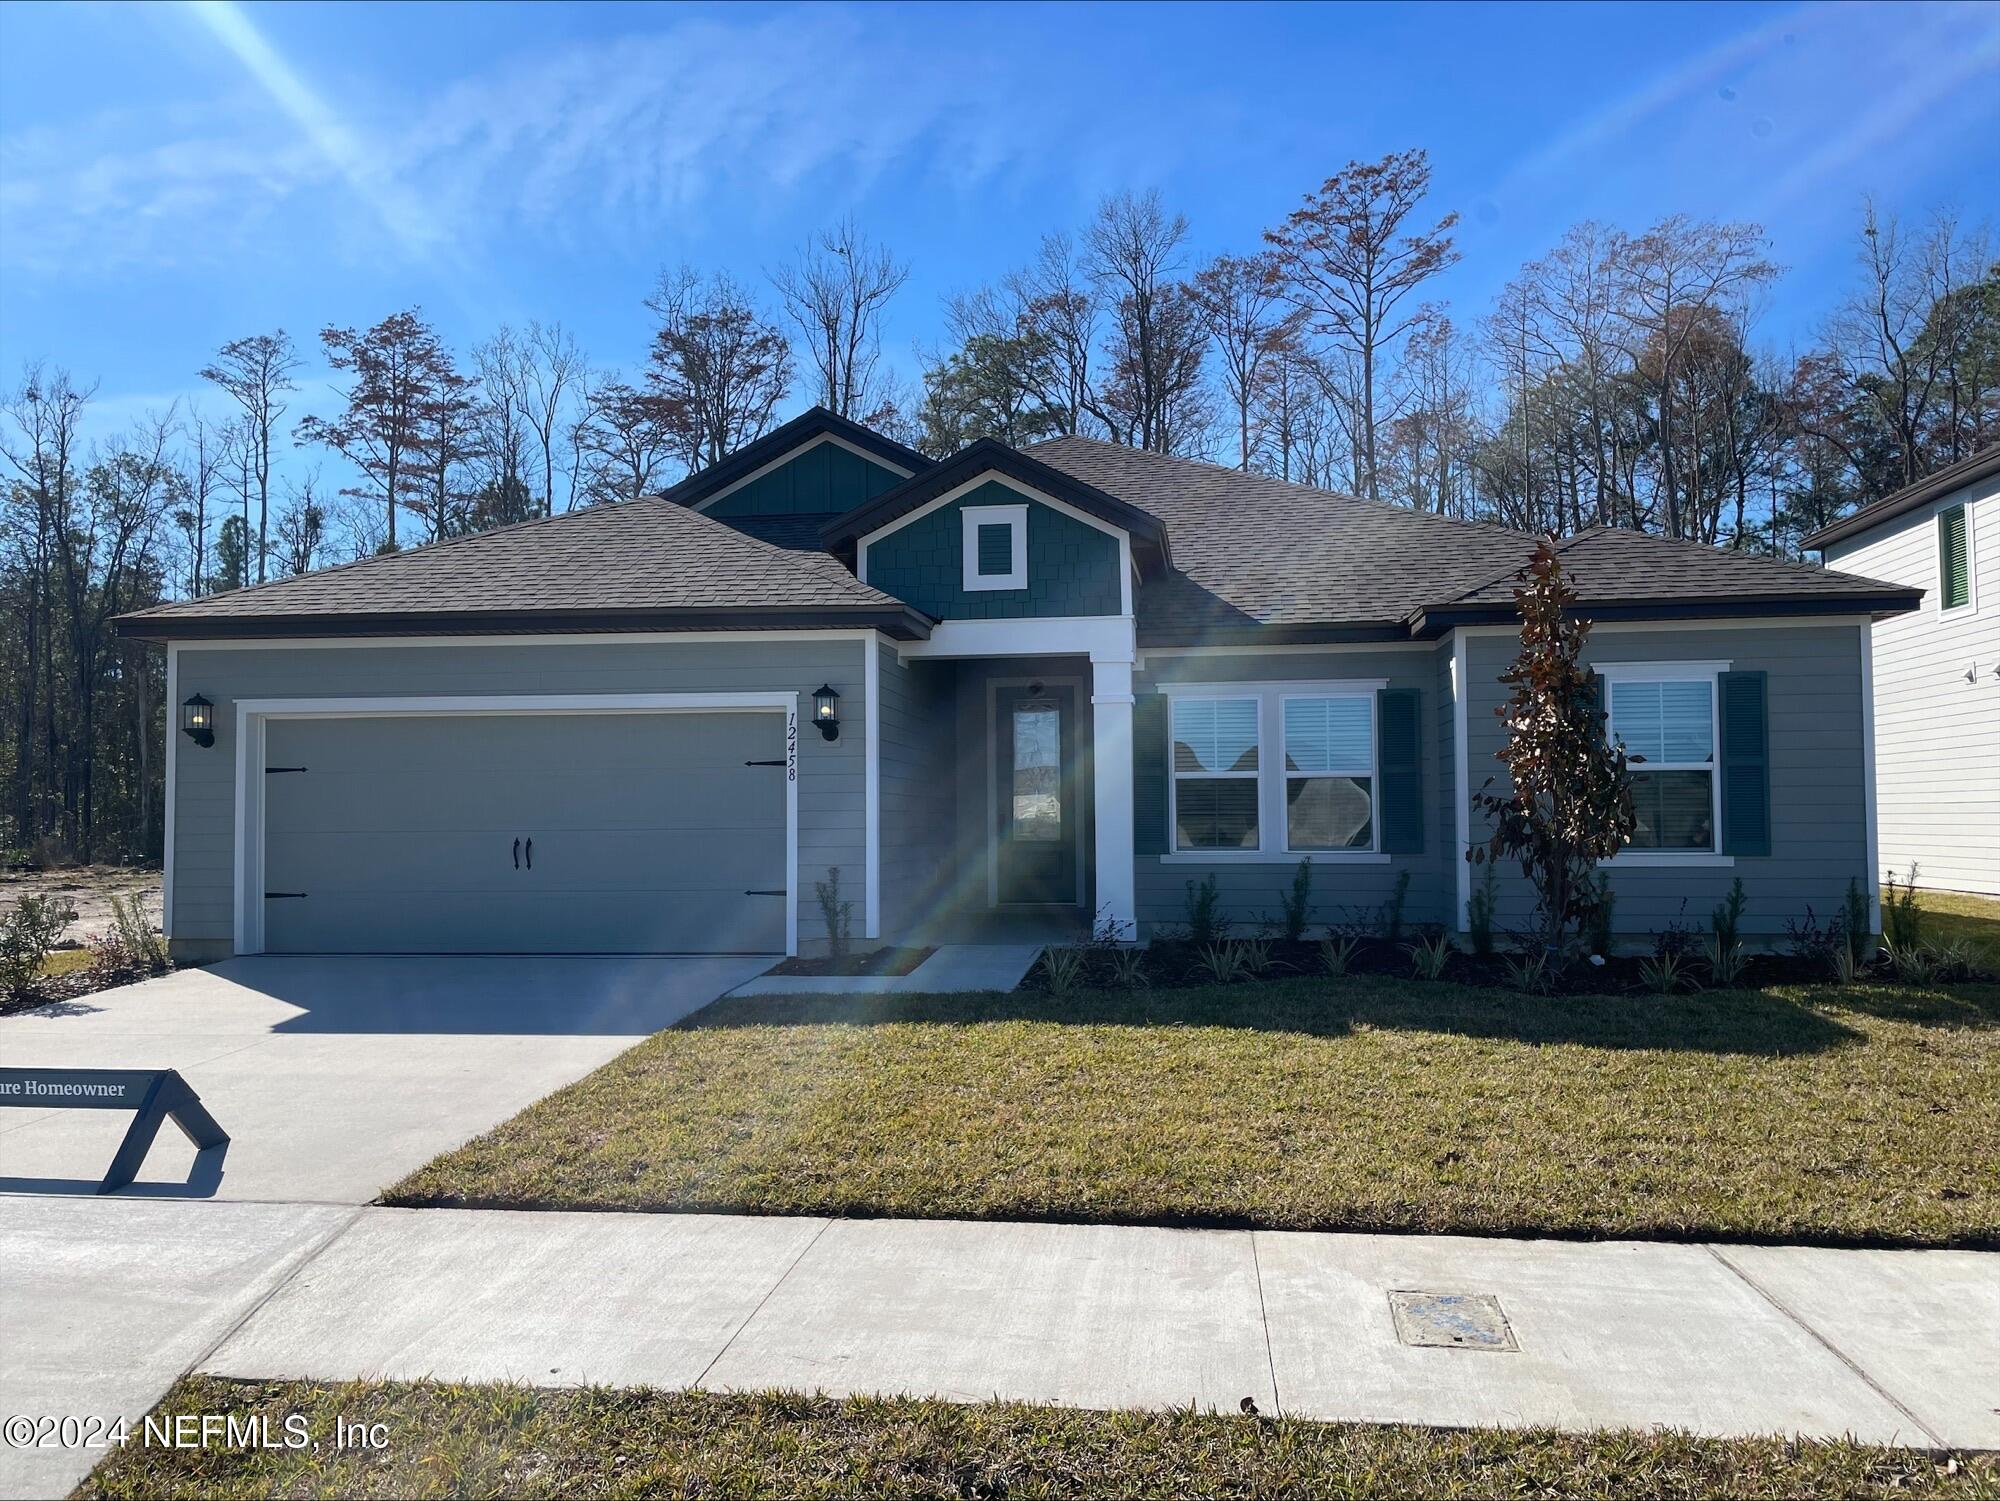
pixel 89 889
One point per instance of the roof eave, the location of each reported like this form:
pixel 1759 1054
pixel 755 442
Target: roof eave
pixel 897 621
pixel 1967 471
pixel 1433 621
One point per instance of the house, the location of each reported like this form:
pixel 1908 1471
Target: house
pixel 1937 670
pixel 1059 684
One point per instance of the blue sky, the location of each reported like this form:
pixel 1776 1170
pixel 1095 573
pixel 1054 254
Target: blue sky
pixel 175 175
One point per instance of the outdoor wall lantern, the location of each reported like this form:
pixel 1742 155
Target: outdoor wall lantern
pixel 198 720
pixel 823 715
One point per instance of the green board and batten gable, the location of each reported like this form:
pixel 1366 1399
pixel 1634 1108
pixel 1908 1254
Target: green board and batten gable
pixel 1072 566
pixel 823 480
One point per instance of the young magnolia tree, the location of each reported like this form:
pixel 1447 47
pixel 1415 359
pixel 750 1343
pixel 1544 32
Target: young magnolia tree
pixel 1570 804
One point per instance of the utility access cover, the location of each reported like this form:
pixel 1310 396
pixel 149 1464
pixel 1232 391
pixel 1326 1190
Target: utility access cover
pixel 1452 1321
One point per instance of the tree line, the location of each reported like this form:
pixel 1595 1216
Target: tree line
pixel 1615 381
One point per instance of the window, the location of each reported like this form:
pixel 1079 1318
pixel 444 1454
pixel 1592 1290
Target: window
pixel 1954 560
pixel 1266 772
pixel 996 547
pixel 1038 772
pixel 1668 727
pixel 1215 773
pixel 1330 773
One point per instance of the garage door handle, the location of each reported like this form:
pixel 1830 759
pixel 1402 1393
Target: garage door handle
pixel 517 854
pixel 764 763
pixel 763 893
pixel 531 854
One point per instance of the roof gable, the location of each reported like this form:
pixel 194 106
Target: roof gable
pixel 989 456
pixel 813 427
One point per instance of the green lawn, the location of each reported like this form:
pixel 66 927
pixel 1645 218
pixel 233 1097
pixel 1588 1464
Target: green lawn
pixel 1819 1113
pixel 1951 915
pixel 62 962
pixel 516 1441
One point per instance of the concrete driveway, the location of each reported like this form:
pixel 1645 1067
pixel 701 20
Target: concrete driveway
pixel 335 1076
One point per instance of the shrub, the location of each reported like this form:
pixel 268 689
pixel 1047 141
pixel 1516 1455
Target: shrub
pixel 1392 910
pixel 1224 963
pixel 1725 961
pixel 1855 927
pixel 26 936
pixel 1726 921
pixel 1812 943
pixel 1128 968
pixel 1298 902
pixel 1107 932
pixel 1480 909
pixel 836 912
pixel 1335 954
pixel 1205 925
pixel 1676 940
pixel 1529 972
pixel 1603 903
pixel 1902 918
pixel 1062 968
pixel 131 942
pixel 1254 953
pixel 1429 958
pixel 1569 804
pixel 1661 973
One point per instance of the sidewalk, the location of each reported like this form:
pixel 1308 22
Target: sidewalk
pixel 1885 1346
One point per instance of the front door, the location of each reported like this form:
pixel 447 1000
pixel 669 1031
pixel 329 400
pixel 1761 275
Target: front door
pixel 1034 749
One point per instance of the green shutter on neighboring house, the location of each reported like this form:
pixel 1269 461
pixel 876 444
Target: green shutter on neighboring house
pixel 1746 764
pixel 1398 757
pixel 1953 584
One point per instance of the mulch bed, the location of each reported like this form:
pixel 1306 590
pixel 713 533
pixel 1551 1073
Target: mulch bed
pixel 889 961
pixel 1176 964
pixel 51 989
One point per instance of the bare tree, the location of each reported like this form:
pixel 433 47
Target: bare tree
pixel 302 526
pixel 1241 301
pixel 628 440
pixel 835 294
pixel 718 370
pixel 204 451
pixel 1674 275
pixel 257 373
pixel 1055 313
pixel 551 371
pixel 384 429
pixel 1349 265
pixel 1151 394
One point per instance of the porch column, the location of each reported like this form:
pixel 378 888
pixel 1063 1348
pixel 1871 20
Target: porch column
pixel 1111 762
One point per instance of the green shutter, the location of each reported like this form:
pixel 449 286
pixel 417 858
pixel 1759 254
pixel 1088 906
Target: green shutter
pixel 1151 757
pixel 1398 761
pixel 1746 765
pixel 1953 583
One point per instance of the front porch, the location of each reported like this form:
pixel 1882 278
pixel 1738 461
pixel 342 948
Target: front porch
pixel 1005 799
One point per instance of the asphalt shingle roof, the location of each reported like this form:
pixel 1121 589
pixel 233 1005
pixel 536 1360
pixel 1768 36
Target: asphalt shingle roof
pixel 1254 551
pixel 637 558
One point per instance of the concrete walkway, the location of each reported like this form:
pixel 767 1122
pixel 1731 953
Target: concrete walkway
pixel 109 1300
pixel 954 967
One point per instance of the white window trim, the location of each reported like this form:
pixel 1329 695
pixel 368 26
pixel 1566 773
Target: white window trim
pixel 1015 519
pixel 1971 561
pixel 1273 832
pixel 1677 672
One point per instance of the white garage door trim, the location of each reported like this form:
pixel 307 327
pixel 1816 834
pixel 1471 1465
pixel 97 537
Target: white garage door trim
pixel 253 713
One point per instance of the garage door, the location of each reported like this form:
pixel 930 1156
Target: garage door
pixel 542 833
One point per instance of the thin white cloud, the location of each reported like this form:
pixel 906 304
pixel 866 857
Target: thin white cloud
pixel 640 137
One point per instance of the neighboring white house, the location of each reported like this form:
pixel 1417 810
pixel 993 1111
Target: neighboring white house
pixel 1936 671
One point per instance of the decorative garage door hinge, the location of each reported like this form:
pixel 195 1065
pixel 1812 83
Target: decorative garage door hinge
pixel 272 896
pixel 271 771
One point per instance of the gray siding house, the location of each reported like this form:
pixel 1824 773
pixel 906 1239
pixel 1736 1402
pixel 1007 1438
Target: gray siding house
pixel 1012 691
